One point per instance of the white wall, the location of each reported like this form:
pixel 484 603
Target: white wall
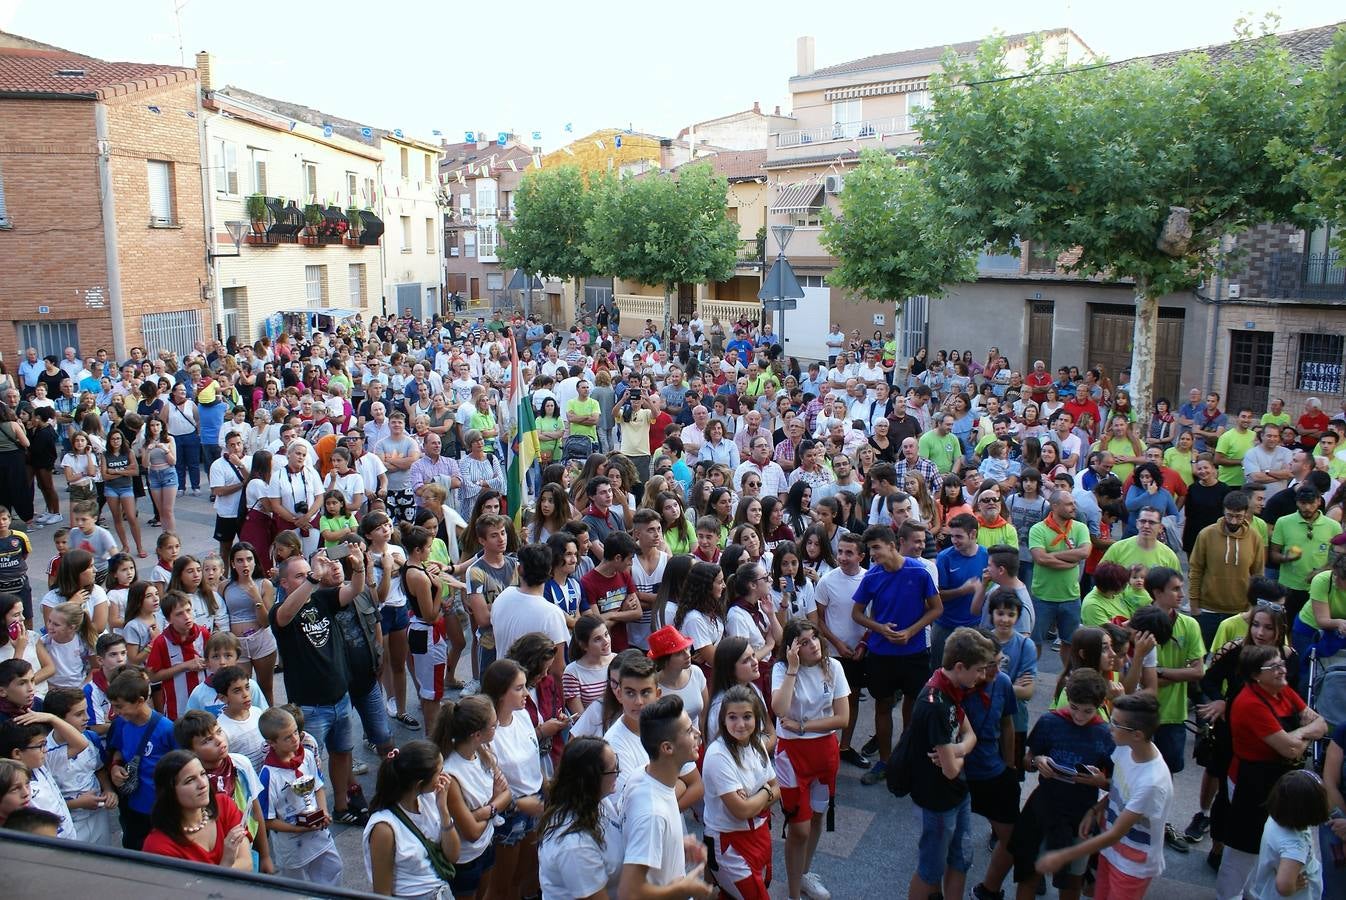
pixel 416 198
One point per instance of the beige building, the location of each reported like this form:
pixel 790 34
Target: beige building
pixel 748 129
pixel 411 206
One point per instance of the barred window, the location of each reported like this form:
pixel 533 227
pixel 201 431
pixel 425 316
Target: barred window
pixel 1320 360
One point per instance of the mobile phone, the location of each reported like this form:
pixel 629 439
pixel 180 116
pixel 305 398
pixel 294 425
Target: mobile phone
pixel 1060 769
pixel 1082 769
pixel 15 630
pixel 789 584
pixel 340 551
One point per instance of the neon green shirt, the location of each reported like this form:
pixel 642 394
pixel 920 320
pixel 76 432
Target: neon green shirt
pixel 1313 540
pixel 1098 609
pixel 1128 552
pixel 1181 463
pixel 1282 420
pixel 1005 534
pixel 1322 589
pixel 941 451
pixel 1178 653
pixel 1234 628
pixel 1057 585
pixel 1234 446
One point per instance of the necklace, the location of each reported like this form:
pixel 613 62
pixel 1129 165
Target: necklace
pixel 193 829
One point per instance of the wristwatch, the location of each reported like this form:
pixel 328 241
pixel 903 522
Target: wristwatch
pixel 312 580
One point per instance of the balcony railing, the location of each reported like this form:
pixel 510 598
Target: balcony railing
pixel 1305 276
pixel 750 252
pixel 846 131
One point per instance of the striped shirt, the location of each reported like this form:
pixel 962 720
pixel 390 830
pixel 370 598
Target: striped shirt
pixel 167 651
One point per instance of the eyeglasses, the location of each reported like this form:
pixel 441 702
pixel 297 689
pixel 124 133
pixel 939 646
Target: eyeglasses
pixel 1116 724
pixel 42 747
pixel 1273 667
pixel 989 500
pixel 1268 605
pixel 615 771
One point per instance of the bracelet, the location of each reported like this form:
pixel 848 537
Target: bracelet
pixel 788 673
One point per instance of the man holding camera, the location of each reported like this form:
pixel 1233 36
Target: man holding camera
pixel 634 424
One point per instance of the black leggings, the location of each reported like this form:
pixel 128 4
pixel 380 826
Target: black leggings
pixel 15 486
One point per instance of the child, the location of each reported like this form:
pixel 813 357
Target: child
pixel 991 767
pixel 1070 737
pixel 344 479
pixel 336 522
pixel 14 550
pixel 707 539
pixel 60 539
pixel 995 467
pixel 144 621
pixel 18 694
pixel 1288 864
pixel 138 739
pixel 410 804
pixel 69 640
pixel 1018 660
pixel 79 772
pixel 585 677
pixel 177 656
pixel 15 792
pixel 1131 849
pixel 166 550
pixel 121 574
pixel 24 740
pixel 1002 565
pixel 212 581
pixel 89 535
pixel 231 774
pixel 188 577
pixel 109 656
pixel 477 788
pixel 222 650
pixel 31 821
pixel 741 787
pixel 239 717
pixel 293 787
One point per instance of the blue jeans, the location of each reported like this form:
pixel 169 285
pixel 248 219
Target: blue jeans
pixel 210 451
pixel 189 460
pixel 1064 614
pixel 331 725
pixel 943 843
pixel 373 716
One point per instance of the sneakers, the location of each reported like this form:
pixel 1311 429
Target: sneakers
pixel 407 720
pixel 50 518
pixel 359 768
pixel 853 756
pixel 812 887
pixel 878 773
pixel 390 706
pixel 1175 841
pixel 980 892
pixel 870 747
pixel 1198 828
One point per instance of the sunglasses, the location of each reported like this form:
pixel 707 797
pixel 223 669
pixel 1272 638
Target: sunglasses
pixel 1277 608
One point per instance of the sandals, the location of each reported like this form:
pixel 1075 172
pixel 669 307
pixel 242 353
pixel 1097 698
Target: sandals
pixel 407 720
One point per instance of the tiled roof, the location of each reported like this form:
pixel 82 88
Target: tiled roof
pixel 34 71
pixel 1306 47
pixel 735 165
pixel 923 54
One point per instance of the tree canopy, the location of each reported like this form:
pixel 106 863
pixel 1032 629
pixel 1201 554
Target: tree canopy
pixel 551 208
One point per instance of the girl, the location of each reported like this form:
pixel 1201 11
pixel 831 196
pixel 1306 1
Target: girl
pixel 409 814
pixel 747 537
pixel 535 652
pixel 1288 864
pixel 143 622
pixel 15 792
pixel 336 522
pixel 563 588
pixel 121 574
pixel 792 589
pixel 188 576
pixel 679 535
pixel 516 747
pixel 425 640
pixel 795 513
pixel 159 459
pixel 1049 465
pixel 477 790
pixel 735 664
pixel 344 479
pixel 701 613
pixel 950 503
pixel 17 642
pixel 741 786
pixel 585 676
pixel 1026 507
pixel 809 697
pixel 80 467
pixel 451 589
pixel 550 514
pixel 749 616
pixel 773 523
pixel 247 598
pixel 69 641
pixel 675 576
pixel 580 852
pixel 749 512
pixel 722 508
pixel 388 559
pixel 672 657
pixel 599 716
pixel 818 558
pixel 166 550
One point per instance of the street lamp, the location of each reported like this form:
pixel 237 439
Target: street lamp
pixel 235 228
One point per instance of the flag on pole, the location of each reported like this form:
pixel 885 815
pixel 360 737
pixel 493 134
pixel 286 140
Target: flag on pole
pixel 524 448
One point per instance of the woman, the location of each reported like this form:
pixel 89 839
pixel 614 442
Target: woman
pixel 477 791
pixel 1049 464
pixel 701 613
pixel 1148 491
pixel 550 431
pixel 1160 431
pixel 741 787
pixel 14 483
pixel 517 750
pixel 718 448
pixel 550 513
pixel 1126 449
pixel 1049 406
pixel 1272 730
pixel 581 848
pixel 916 368
pixel 1181 456
pixel 625 485
pixel 679 535
pixel 479 473
pixel 192 822
pixel 261 500
pixel 247 598
pixel 118 468
pixel 536 653
pixel 159 460
pixel 606 396
pixel 672 655
pixel 183 421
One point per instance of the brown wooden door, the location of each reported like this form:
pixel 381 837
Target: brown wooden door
pixel 474 289
pixel 1111 327
pixel 686 302
pixel 1041 324
pixel 1249 369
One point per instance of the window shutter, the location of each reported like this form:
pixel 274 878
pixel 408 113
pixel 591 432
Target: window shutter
pixel 260 176
pixel 231 166
pixel 161 192
pixel 4 212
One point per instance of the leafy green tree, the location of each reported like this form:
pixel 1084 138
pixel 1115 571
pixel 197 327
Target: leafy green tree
pixel 551 211
pixel 658 230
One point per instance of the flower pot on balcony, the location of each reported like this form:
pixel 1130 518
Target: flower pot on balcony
pixel 351 241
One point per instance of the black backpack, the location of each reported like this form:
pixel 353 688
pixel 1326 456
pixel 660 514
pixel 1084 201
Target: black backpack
pixel 899 766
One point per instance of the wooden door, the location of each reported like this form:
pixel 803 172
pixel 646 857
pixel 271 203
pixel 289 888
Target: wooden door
pixel 1249 370
pixel 1111 327
pixel 1041 325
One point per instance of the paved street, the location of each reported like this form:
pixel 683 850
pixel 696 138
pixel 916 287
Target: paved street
pixel 874 845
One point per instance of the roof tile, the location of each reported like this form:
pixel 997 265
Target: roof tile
pixel 34 71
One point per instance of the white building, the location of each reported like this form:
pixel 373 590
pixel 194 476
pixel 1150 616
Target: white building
pixel 413 245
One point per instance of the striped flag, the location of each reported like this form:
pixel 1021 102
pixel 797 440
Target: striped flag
pixel 524 448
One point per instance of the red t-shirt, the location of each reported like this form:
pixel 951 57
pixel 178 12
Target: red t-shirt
pixel 229 817
pixel 1039 385
pixel 606 594
pixel 657 426
pixel 1316 421
pixel 1251 721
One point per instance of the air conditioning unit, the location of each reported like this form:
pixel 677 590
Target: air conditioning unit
pixel 1234 291
pixel 833 184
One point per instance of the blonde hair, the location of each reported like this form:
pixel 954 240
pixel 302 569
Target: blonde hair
pixel 77 617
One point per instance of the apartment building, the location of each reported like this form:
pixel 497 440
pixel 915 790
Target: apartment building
pixel 747 129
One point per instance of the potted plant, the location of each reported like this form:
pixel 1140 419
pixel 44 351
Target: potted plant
pixel 353 233
pixel 255 206
pixel 312 219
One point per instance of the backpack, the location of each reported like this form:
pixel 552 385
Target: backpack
pixel 899 766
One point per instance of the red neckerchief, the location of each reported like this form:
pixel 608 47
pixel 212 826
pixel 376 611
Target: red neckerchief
pixel 998 522
pixel 1064 712
pixel 593 511
pixel 11 709
pixel 99 680
pixel 223 777
pixel 295 763
pixel 941 682
pixel 1062 535
pixel 186 643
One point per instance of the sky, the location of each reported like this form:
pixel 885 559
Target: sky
pixel 529 65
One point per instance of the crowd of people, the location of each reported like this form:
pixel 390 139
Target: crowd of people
pixel 717 551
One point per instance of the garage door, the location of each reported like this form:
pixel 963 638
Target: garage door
pixel 1111 328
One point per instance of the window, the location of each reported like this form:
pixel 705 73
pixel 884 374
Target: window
pixel 310 181
pixel 258 169
pixel 1322 264
pixel 355 278
pixel 1319 369
pixel 225 166
pixel 845 118
pixel 406 164
pixel 812 281
pixel 161 194
pixel 486 196
pixel 430 236
pixel 486 235
pixel 175 332
pixel 917 102
pixel 4 214
pixel 353 188
pixel 49 337
pixel 406 234
pixel 495 281
pixel 315 285
pixel 465 204
pixel 807 218
pixel 429 173
pixel 369 194
pixel 470 244
pixel 731 213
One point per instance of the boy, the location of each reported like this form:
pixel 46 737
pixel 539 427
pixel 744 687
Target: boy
pixel 294 803
pixel 647 570
pixel 941 740
pixel 138 739
pixel 1002 567
pixel 14 550
pixel 24 740
pixel 177 656
pixel 33 821
pixel 708 531
pixel 222 649
pixel 1133 814
pixel 79 772
pixel 239 717
pixel 486 578
pixel 60 539
pixel 89 535
pixel 1073 736
pixel 657 851
pixel 1019 662
pixel 991 768
pixel 231 774
pixel 611 591
pixel 109 656
pixel 18 694
pixel 961 572
pixel 638 687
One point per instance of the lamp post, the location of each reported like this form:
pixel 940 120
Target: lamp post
pixel 235 228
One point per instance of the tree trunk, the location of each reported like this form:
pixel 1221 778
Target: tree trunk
pixel 1143 340
pixel 668 315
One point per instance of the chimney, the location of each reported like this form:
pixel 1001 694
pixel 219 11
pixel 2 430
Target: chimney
pixel 756 107
pixel 777 112
pixel 804 56
pixel 203 71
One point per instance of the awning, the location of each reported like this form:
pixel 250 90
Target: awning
pixel 334 313
pixel 798 196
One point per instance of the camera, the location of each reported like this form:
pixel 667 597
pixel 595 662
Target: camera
pixel 301 507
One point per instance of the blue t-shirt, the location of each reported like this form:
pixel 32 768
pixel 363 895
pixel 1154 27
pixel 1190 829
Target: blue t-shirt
pixel 212 419
pixel 897 599
pixel 985 761
pixel 954 570
pixel 1056 735
pixel 1019 657
pixel 125 738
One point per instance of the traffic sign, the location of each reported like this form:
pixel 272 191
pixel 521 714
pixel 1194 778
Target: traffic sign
pixel 777 305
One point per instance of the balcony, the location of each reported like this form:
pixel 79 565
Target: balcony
pixel 636 308
pixel 750 253
pixel 845 131
pixel 1304 276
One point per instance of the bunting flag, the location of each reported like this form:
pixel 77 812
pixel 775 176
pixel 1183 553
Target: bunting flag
pixel 469 137
pixel 537 135
pixel 598 142
pixel 512 166
pixel 524 447
pixel 537 160
pixel 569 128
pixel 568 151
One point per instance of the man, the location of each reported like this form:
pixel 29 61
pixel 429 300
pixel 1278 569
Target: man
pixel 71 365
pixel 843 637
pixel 1300 545
pixel 368 466
pixel 378 427
pixel 1233 445
pixel 1313 423
pixel 1058 544
pixel 399 452
pixel 1205 501
pixel 1226 556
pixel 814 381
pixel 1082 402
pixel 918 406
pixel 31 367
pixel 1209 424
pixel 759 461
pixel 960 569
pixel 1100 464
pixel 694 435
pixel 1268 463
pixel 434 467
pixel 911 460
pixel 786 453
pixel 895 601
pixel 582 414
pixel 1302 471
pixel 942 447
pixel 522 609
pixel 871 374
pixel 1062 435
pixel 1038 381
pixel 317 679
pixel 740 345
pixel 227 479
pixel 1144 548
pixel 601 517
pixel 836 342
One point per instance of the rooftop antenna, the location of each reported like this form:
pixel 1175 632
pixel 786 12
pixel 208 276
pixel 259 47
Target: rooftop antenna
pixel 178 6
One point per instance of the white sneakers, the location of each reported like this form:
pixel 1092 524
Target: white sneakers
pixel 812 887
pixel 50 518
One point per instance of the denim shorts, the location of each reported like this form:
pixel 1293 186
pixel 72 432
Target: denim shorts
pixel 162 478
pixel 944 842
pixel 1064 614
pixel 394 618
pixel 128 491
pixel 467 875
pixel 331 725
pixel 514 829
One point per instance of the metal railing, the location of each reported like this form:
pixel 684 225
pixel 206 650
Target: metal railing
pixel 750 252
pixel 1305 276
pixel 846 131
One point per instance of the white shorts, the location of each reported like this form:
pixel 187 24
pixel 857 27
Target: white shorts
pixel 429 666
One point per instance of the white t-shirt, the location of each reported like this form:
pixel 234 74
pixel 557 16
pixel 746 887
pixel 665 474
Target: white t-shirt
pixel 69 659
pixel 516 752
pixel 590 722
pixel 571 864
pixel 653 829
pixel 222 475
pixel 740 623
pixel 1147 789
pixel 97 597
pixel 835 596
pixel 805 600
pixel 396 595
pixel 722 775
pixel 813 695
pixel 369 467
pixel 638 633
pixel 515 613
pixel 257 491
pixel 712 729
pixel 692 693
pixel 631 759
pixel 245 737
pixel 1279 842
pixel 701 629
pixel 79 464
pixel 350 485
pixel 477 786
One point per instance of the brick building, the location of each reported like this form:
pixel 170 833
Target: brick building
pixel 102 236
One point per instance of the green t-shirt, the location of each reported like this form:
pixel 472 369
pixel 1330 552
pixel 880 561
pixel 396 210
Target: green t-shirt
pixel 1005 534
pixel 1181 463
pixel 1260 526
pixel 1098 609
pixel 942 451
pixel 1323 590
pixel 1282 420
pixel 1057 585
pixel 1234 628
pixel 1127 553
pixel 1313 539
pixel 548 423
pixel 1123 447
pixel 1234 445
pixel 481 422
pixel 335 523
pixel 1178 654
pixel 583 408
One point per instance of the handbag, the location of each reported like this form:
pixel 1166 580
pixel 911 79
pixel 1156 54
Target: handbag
pixel 1206 746
pixel 438 861
pixel 132 782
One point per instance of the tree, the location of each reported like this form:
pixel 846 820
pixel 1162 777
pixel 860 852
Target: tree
pixel 551 211
pixel 892 239
pixel 655 229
